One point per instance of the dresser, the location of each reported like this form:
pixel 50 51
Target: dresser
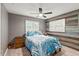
pixel 17 42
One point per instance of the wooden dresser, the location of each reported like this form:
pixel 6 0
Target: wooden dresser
pixel 17 42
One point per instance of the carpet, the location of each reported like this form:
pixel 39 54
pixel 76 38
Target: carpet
pixel 26 52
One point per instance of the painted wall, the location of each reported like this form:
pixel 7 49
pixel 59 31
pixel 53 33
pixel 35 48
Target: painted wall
pixel 0 28
pixel 4 29
pixel 16 25
pixel 63 15
pixel 70 30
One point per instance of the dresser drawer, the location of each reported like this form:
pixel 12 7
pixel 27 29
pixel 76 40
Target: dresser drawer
pixel 17 42
pixel 19 45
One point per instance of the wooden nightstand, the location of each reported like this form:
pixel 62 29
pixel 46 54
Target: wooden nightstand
pixel 17 42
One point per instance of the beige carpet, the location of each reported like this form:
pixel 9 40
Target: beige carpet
pixel 26 52
pixel 14 52
pixel 65 51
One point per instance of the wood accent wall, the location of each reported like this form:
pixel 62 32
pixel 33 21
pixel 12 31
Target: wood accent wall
pixel 68 41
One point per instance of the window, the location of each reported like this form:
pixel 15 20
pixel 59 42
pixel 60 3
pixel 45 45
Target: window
pixel 57 25
pixel 32 25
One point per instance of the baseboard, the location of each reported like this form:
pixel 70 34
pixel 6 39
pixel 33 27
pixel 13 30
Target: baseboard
pixel 6 52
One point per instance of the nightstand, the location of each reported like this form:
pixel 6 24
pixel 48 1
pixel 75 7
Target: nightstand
pixel 17 42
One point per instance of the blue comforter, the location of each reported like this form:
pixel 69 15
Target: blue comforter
pixel 40 45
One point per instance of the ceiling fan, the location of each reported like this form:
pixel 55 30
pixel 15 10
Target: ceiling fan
pixel 41 14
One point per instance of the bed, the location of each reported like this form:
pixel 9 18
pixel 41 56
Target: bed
pixel 41 45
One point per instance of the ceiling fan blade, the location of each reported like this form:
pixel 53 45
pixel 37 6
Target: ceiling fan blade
pixel 40 10
pixel 48 13
pixel 34 13
pixel 44 16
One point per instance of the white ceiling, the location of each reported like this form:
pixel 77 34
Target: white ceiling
pixel 28 8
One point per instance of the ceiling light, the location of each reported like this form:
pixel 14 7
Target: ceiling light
pixel 40 15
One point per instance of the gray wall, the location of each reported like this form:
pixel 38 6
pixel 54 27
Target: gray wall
pixel 16 25
pixel 71 30
pixel 0 29
pixel 4 29
pixel 66 15
pixel 75 12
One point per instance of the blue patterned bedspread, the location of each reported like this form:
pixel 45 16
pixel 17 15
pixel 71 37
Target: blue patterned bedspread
pixel 41 45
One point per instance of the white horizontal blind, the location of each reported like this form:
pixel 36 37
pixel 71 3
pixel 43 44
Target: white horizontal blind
pixel 57 25
pixel 31 25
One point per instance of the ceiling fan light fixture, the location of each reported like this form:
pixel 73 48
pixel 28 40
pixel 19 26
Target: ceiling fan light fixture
pixel 40 15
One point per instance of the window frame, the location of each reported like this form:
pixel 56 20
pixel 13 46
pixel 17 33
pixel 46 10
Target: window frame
pixel 30 21
pixel 54 30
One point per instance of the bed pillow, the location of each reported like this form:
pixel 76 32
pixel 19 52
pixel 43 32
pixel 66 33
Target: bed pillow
pixel 32 33
pixel 37 32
